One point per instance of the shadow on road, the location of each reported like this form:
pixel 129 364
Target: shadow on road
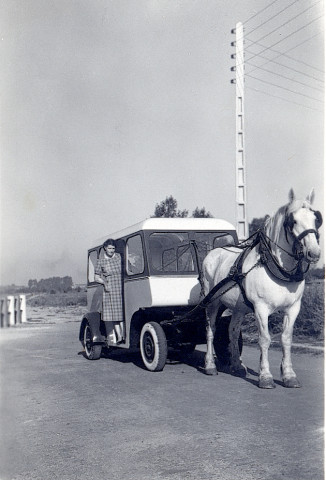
pixel 195 360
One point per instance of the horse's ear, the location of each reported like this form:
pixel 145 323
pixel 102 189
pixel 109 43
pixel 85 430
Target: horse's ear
pixel 311 197
pixel 291 195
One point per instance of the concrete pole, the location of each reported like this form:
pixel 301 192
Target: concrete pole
pixel 241 194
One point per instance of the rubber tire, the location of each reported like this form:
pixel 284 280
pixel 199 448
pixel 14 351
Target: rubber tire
pixel 222 340
pixel 92 352
pixel 153 346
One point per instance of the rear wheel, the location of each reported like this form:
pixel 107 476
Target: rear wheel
pixel 153 346
pixel 222 340
pixel 93 352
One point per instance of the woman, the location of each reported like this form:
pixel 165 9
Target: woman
pixel 108 273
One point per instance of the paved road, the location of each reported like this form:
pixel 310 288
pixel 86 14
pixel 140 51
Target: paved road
pixel 63 417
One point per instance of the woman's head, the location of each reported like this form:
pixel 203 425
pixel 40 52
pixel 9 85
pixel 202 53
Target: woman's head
pixel 109 247
pixel 109 241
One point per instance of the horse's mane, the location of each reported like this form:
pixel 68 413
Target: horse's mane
pixel 273 225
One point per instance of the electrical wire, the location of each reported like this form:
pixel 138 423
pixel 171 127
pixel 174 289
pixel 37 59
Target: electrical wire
pixel 284 66
pixel 284 54
pixel 287 36
pixel 291 79
pixel 285 23
pixel 271 18
pixel 284 88
pixel 282 98
pixel 260 11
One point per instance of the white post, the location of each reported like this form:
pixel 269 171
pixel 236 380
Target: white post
pixel 11 310
pixel 22 301
pixel 4 312
pixel 242 224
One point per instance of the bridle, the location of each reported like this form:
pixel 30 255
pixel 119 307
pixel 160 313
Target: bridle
pixel 301 266
pixel 297 247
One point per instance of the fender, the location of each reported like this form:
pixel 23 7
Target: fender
pixel 97 327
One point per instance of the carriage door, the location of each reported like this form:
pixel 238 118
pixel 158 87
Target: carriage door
pixel 121 249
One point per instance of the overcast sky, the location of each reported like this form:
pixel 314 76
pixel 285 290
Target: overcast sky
pixel 108 106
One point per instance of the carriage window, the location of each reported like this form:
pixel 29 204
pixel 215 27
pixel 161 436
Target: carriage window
pixel 206 241
pixel 135 255
pixel 171 252
pixel 223 240
pixel 92 260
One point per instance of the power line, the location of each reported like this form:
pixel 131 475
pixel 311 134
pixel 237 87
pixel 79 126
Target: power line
pixel 271 18
pixel 283 54
pixel 288 21
pixel 284 66
pixel 260 11
pixel 291 79
pixel 287 36
pixel 284 88
pixel 282 98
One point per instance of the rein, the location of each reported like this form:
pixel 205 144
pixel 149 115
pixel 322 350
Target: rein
pixel 267 259
pixel 297 274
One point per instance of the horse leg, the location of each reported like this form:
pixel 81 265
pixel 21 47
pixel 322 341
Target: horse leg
pixel 237 367
pixel 265 376
pixel 288 375
pixel 210 366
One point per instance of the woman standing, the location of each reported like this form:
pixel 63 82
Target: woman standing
pixel 108 273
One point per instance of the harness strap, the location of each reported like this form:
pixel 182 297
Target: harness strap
pixel 238 276
pixel 269 261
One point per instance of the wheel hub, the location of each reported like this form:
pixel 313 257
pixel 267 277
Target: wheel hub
pixel 149 347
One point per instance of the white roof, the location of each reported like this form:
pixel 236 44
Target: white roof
pixel 167 224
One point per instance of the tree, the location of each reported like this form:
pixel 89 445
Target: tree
pixel 201 213
pixel 256 224
pixel 32 284
pixel 169 208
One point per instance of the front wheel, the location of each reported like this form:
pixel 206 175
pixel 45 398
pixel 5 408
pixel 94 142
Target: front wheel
pixel 92 352
pixel 153 346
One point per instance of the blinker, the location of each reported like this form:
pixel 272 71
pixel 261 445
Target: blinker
pixel 319 219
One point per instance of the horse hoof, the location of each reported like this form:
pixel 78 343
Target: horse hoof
pixel 266 382
pixel 210 371
pixel 292 382
pixel 239 371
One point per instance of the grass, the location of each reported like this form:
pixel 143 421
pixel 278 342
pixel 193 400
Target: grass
pixel 309 325
pixel 57 299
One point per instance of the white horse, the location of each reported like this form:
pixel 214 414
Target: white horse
pixel 270 277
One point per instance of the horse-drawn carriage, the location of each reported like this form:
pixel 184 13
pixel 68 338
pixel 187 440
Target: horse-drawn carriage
pixel 181 276
pixel 160 283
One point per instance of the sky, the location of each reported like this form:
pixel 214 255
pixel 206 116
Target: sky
pixel 110 106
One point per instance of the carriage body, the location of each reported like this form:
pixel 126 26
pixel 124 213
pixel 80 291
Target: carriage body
pixel 161 262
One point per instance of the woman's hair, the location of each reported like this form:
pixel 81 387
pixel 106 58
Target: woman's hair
pixel 109 241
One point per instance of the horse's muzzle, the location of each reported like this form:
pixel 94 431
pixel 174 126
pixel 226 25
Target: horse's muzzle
pixel 313 256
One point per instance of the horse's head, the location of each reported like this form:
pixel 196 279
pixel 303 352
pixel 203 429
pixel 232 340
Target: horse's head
pixel 301 224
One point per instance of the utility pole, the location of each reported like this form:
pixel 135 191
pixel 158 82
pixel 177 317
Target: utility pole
pixel 241 187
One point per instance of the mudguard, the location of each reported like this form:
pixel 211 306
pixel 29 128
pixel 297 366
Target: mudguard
pixel 96 325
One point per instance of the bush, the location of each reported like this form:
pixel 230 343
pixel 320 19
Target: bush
pixel 58 299
pixel 309 323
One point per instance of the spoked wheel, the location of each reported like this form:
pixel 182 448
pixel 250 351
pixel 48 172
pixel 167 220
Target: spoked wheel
pixel 222 341
pixel 93 352
pixel 153 346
